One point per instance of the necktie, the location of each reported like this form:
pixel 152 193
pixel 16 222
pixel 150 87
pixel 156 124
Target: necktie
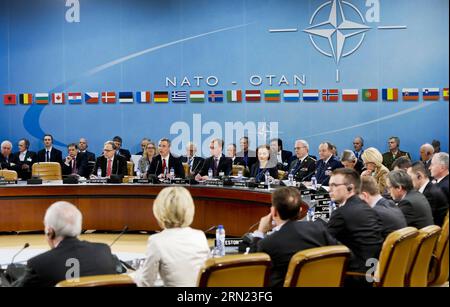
pixel 216 166
pixel 74 166
pixel 297 167
pixel 164 166
pixel 109 168
pixel 47 156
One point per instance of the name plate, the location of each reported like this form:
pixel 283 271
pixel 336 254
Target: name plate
pixel 322 210
pixel 320 196
pixel 216 183
pixel 230 242
pixel 97 180
pixel 262 186
pixel 239 184
pixel 179 181
pixel 5 182
pixel 305 192
pixel 141 180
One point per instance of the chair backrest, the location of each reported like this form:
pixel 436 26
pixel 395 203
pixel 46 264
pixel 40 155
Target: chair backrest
pixel 47 170
pixel 8 174
pixel 236 168
pixel 281 174
pixel 420 256
pixel 187 170
pixel 318 267
pixel 439 265
pixel 113 280
pixel 394 256
pixel 130 168
pixel 251 270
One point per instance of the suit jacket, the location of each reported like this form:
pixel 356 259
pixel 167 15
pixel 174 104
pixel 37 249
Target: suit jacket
pixel 196 164
pixel 416 209
pixel 55 155
pixel 225 166
pixel 302 171
pixel 119 166
pixel 124 153
pixel 391 216
pixel 156 166
pixel 258 173
pixel 438 202
pixel 443 184
pixel 293 236
pixel 81 164
pixel 358 154
pixel 49 268
pixel 90 156
pixel 238 161
pixel 30 159
pixel 249 157
pixel 7 165
pixel 357 226
pixel 388 158
pixel 323 170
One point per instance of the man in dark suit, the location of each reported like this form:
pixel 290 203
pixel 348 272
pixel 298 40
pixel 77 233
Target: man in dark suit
pixel 110 163
pixel 303 167
pixel 394 152
pixel 75 163
pixel 249 156
pixel 162 163
pixel 279 154
pixel 6 157
pixel 391 216
pixel 49 153
pixel 121 151
pixel 195 163
pixel 82 147
pixel 289 236
pixel 413 204
pixel 353 223
pixel 24 159
pixel 439 171
pixel 358 144
pixel 327 163
pixel 436 198
pixel 144 143
pixel 231 153
pixel 426 154
pixel 69 257
pixel 218 163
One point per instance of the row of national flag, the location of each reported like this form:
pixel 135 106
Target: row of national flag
pixel 292 95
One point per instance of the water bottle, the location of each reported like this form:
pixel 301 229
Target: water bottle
pixel 220 241
pixel 266 179
pixel 210 173
pixel 239 174
pixel 310 215
pixel 172 173
pixel 99 172
pixel 332 206
pixel 314 182
pixel 291 179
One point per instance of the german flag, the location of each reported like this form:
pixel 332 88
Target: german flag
pixel 161 97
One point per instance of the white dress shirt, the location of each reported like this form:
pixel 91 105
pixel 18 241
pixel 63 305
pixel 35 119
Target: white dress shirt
pixel 176 254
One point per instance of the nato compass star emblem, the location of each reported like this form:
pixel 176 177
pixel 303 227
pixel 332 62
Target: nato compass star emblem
pixel 336 29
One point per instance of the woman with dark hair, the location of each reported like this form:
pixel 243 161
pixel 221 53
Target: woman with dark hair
pixel 263 165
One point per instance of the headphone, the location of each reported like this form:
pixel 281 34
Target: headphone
pixel 350 187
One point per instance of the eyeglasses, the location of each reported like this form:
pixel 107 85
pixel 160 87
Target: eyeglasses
pixel 299 147
pixel 108 150
pixel 151 147
pixel 335 185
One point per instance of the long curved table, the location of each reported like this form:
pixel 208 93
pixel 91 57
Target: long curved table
pixel 112 206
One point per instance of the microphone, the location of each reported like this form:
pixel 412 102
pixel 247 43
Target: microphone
pixel 195 168
pixel 124 230
pixel 26 245
pixel 210 228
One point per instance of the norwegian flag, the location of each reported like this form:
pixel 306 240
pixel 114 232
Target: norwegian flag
pixel 108 97
pixel 330 95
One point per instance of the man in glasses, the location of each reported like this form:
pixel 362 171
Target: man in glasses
pixel 303 167
pixel 110 163
pixel 218 163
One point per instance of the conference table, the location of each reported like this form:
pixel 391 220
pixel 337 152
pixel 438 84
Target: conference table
pixel 111 207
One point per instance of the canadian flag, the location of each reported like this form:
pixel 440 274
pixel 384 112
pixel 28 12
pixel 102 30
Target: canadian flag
pixel 58 98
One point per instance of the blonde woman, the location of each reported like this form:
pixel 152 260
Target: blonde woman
pixel 373 162
pixel 146 159
pixel 178 251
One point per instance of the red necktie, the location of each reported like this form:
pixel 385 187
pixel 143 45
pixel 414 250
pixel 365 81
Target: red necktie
pixel 164 166
pixel 109 168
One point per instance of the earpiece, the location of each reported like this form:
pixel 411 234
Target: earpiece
pixel 349 187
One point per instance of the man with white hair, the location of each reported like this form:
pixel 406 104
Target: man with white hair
pixel 439 171
pixel 304 166
pixel 6 156
pixel 69 257
pixel 426 154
